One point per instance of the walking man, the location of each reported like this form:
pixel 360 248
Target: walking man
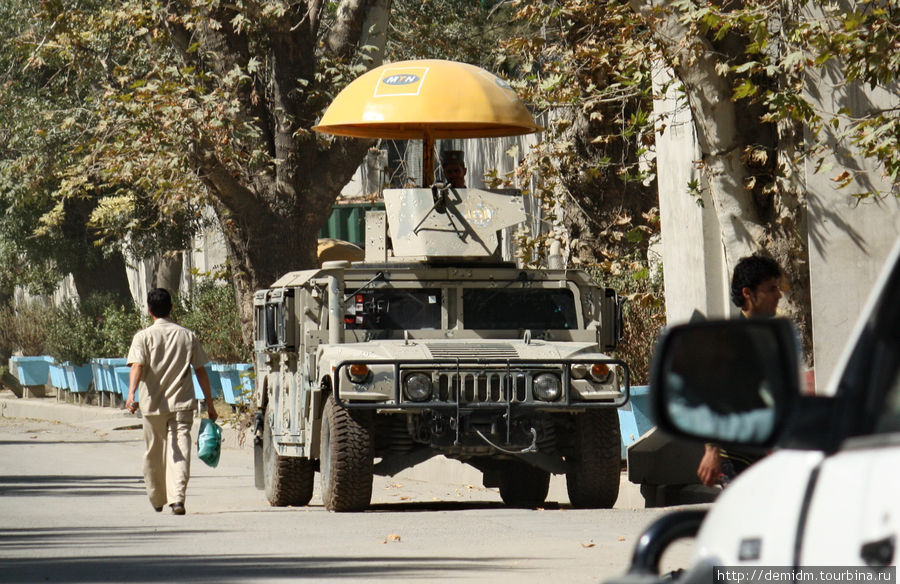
pixel 161 357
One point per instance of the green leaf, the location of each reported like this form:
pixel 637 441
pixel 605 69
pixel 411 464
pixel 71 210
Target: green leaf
pixel 745 89
pixel 635 235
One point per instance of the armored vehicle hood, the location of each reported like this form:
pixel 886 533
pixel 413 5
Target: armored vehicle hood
pixel 459 348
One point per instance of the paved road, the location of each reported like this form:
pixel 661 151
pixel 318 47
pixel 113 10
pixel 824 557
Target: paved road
pixel 73 509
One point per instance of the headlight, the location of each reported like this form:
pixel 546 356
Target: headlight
pixel 417 387
pixel 358 373
pixel 579 370
pixel 546 387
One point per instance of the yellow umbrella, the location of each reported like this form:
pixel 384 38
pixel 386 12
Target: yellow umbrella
pixel 426 100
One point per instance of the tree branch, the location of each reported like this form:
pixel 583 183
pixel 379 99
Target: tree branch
pixel 230 49
pixel 233 195
pixel 693 59
pixel 314 13
pixel 354 19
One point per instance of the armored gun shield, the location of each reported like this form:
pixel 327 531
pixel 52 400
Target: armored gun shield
pixel 448 222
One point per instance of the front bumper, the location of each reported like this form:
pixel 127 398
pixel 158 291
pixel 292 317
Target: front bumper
pixel 479 384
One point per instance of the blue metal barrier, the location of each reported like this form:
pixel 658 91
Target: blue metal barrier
pixel 634 417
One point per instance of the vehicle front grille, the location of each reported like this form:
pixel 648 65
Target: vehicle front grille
pixel 482 386
pixel 472 351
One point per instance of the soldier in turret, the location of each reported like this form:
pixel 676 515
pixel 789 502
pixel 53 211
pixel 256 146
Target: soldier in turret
pixel 454 166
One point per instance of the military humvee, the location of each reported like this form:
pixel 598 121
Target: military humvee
pixel 433 346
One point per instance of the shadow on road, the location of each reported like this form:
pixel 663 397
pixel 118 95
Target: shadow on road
pixel 45 440
pixel 68 485
pixel 242 568
pixel 29 539
pixel 429 506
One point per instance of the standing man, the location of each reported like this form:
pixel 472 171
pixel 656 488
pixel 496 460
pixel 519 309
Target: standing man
pixel 161 357
pixel 454 166
pixel 755 289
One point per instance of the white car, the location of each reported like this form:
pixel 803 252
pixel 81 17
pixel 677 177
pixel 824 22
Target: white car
pixel 828 491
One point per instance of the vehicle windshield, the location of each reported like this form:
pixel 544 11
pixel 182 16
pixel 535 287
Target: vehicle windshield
pixel 394 309
pixel 519 308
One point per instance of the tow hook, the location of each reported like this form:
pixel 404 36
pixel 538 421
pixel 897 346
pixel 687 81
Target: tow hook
pixel 531 448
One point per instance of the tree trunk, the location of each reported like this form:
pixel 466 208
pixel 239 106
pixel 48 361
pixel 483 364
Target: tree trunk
pixel 6 296
pixel 168 272
pixel 91 270
pixel 280 244
pixel 270 218
pixel 108 276
pixel 363 22
pixel 774 225
pixel 694 61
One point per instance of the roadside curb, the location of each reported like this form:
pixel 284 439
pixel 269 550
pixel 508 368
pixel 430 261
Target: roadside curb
pixel 49 409
pixel 100 418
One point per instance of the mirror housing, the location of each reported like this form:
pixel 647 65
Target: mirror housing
pixel 730 382
pixel 612 327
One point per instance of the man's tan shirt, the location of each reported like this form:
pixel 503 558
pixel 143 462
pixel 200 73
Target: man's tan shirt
pixel 167 351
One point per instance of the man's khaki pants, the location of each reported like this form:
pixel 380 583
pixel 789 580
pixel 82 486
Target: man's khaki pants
pixel 167 462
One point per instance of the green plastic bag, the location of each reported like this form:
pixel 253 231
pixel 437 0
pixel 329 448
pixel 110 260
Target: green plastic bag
pixel 209 442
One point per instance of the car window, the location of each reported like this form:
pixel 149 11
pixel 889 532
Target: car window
pixel 887 375
pixel 394 309
pixel 530 308
pixel 866 389
pixel 889 420
pixel 886 359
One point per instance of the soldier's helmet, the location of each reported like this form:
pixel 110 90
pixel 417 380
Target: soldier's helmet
pixel 452 157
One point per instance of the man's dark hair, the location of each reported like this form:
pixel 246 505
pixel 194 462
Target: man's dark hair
pixel 750 272
pixel 159 302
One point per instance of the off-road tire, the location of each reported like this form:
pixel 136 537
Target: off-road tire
pixel 595 466
pixel 287 480
pixel 523 485
pixel 346 464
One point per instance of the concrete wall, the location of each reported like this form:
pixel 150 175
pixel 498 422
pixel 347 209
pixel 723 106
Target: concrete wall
pixel 206 256
pixel 693 258
pixel 65 292
pixel 849 242
pixel 849 239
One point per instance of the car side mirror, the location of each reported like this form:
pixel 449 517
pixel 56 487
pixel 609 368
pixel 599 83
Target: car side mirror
pixel 729 382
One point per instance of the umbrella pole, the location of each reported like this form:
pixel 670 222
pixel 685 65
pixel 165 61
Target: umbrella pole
pixel 428 160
